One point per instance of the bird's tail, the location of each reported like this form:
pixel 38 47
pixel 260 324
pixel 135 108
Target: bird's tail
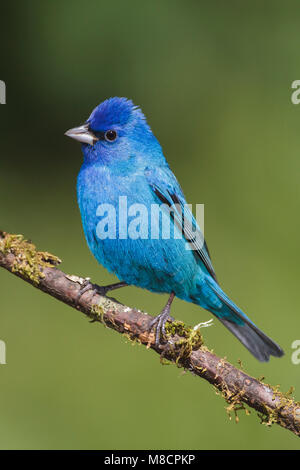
pixel 259 344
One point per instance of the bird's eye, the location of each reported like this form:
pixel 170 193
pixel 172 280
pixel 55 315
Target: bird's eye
pixel 110 135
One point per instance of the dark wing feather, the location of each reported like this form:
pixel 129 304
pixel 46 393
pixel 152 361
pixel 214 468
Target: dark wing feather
pixel 171 195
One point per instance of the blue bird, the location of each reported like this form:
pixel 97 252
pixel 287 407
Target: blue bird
pixel 124 161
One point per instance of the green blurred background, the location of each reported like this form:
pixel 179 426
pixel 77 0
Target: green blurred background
pixel 214 80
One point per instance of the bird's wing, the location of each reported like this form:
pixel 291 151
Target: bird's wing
pixel 168 191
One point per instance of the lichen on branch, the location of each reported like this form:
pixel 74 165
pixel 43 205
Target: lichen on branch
pixel 182 345
pixel 28 261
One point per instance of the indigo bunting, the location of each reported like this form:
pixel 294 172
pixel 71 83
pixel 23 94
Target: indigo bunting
pixel 123 161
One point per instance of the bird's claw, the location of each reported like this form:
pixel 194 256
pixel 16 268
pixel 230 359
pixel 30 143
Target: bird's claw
pixel 160 323
pixel 101 290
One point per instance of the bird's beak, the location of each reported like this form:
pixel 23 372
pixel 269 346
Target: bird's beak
pixel 82 134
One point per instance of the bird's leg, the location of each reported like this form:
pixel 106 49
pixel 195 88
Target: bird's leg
pixel 102 290
pixel 160 320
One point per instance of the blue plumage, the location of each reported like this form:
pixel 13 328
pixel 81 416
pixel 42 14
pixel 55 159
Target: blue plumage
pixel 122 158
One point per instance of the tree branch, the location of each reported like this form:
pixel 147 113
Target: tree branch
pixel 183 346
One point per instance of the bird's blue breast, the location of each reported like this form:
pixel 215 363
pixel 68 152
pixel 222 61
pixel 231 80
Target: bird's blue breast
pixel 155 264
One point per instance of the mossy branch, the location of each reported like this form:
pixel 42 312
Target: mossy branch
pixel 183 346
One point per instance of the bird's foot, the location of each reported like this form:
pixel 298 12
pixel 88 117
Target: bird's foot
pixel 159 322
pixel 101 290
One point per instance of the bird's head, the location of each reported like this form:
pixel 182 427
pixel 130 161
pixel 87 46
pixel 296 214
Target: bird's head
pixel 116 130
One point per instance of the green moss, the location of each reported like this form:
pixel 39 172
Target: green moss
pixel 28 261
pixel 97 313
pixel 284 401
pixel 189 340
pixel 234 401
pixel 132 340
pixel 269 415
pixel 192 340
